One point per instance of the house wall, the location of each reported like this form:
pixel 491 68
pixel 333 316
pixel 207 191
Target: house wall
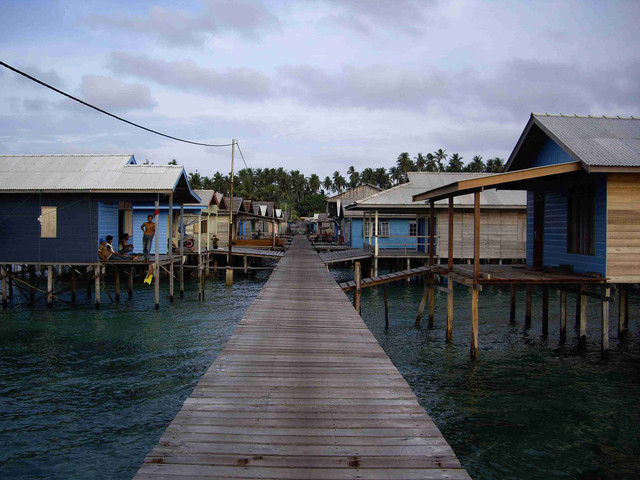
pixel 108 220
pixel 76 229
pixel 398 234
pixel 502 233
pixel 140 217
pixel 555 227
pixel 623 228
pixel 551 154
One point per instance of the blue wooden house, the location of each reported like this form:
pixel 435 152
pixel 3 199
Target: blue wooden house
pixel 55 208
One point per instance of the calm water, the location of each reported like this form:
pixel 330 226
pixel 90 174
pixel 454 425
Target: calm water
pixel 87 394
pixel 527 408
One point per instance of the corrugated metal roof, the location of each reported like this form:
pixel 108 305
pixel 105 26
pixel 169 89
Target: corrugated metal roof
pixel 206 197
pixel 84 173
pixel 596 141
pixel 420 182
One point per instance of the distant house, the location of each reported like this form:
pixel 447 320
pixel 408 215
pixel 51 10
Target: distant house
pixel 55 208
pixel 336 208
pixel 201 219
pixel 582 180
pixel 403 225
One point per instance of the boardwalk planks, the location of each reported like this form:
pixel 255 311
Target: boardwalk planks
pixel 302 390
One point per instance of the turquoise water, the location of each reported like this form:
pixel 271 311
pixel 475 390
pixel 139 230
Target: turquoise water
pixel 87 394
pixel 527 408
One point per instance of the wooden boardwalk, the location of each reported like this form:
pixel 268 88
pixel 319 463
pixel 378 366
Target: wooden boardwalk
pixel 302 391
pixel 391 277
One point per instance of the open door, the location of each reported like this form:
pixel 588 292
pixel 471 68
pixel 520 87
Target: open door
pixel 538 228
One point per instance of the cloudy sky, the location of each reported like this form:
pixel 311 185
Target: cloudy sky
pixel 310 85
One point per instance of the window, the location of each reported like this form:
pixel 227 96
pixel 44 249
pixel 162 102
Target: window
pixel 413 229
pixel 581 220
pixel 48 222
pixel 383 228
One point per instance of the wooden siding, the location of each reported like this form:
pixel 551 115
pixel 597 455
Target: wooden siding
pixel 550 154
pixel 623 228
pixel 139 217
pixel 500 234
pixel 76 229
pixel 108 221
pixel 555 229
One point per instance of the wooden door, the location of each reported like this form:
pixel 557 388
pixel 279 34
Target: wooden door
pixel 538 228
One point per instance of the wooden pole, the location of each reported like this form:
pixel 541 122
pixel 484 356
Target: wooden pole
pixel 96 280
pixel 449 308
pixel 73 284
pixel 244 263
pixel 357 296
pixel 375 251
pixel 117 283
pixel 229 274
pixel 527 313
pixel 171 282
pixel 423 302
pixel 88 282
pixel 170 227
pixel 3 273
pixel 606 293
pixel 450 239
pixel 623 311
pixel 32 279
pixel 582 328
pixel 130 285
pixel 432 227
pixel 545 310
pixel 432 299
pixel 474 323
pixel 386 304
pixel 512 309
pixel 207 264
pixel 156 279
pixel 578 307
pixel 563 315
pixel 10 280
pixel 181 250
pixel 50 275
pixel 215 265
pixel 476 238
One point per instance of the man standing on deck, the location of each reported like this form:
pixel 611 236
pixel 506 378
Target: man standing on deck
pixel 149 230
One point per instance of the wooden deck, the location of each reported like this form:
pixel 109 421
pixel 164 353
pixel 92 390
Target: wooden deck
pixel 302 390
pixel 345 255
pixel 391 277
pixel 246 251
pixel 525 274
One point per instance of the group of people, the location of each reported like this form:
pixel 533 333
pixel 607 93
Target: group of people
pixel 107 252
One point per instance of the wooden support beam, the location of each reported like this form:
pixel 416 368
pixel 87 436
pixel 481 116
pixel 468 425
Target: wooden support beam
pixel 73 284
pixel 474 323
pixel 10 280
pixel 171 282
pixel 130 285
pixel 563 315
pixel 432 225
pixel 386 305
pixel 527 313
pixel 96 281
pixel 432 299
pixel 88 283
pixel 156 278
pixel 582 324
pixel 182 249
pixel 245 264
pixel 50 275
pixel 207 271
pixel 357 296
pixel 117 283
pixel 449 308
pixel 578 306
pixel 450 239
pixel 215 265
pixel 623 309
pixel 476 238
pixel 545 310
pixel 3 273
pixel 604 344
pixel 32 279
pixel 512 307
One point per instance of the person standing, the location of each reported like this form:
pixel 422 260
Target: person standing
pixel 149 230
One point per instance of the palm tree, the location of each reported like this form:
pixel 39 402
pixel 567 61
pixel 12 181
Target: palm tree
pixel 368 176
pixel 327 184
pixel 421 162
pixel 495 165
pixel 476 165
pixel 339 182
pixel 195 180
pixel 455 163
pixel 382 178
pixel 430 163
pixel 404 165
pixel 314 183
pixel 440 156
pixel 354 177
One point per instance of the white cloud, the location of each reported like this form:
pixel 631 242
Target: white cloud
pixel 111 94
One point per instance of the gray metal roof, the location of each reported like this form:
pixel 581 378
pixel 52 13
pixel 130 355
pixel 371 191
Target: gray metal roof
pixel 595 141
pixel 419 182
pixel 206 197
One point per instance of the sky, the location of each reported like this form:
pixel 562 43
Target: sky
pixel 311 85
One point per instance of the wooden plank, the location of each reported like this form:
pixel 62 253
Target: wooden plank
pixel 302 390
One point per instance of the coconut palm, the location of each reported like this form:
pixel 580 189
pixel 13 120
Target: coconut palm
pixel 455 163
pixel 494 165
pixel 314 183
pixel 339 182
pixel 404 165
pixel 476 165
pixel 327 184
pixel 354 177
pixel 440 156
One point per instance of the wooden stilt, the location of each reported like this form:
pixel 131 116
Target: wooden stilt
pixel 474 323
pixel 171 282
pixel 200 279
pixel 604 344
pixel 117 284
pixel 130 286
pixel 156 276
pixel 10 280
pixel 623 310
pixel 89 282
pixel 357 296
pixel 182 249
pixel 449 309
pixel 207 271
pixel 582 327
pixel 32 280
pixel 156 287
pixel 96 281
pixel 244 263
pixel 73 284
pixel 386 305
pixel 563 315
pixel 432 299
pixel 3 273
pixel 512 309
pixel 50 275
pixel 527 314
pixel 578 307
pixel 215 266
pixel 545 310
pixel 423 302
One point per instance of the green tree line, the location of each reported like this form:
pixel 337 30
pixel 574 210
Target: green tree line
pixel 304 196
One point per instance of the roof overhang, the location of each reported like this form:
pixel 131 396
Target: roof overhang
pixel 511 180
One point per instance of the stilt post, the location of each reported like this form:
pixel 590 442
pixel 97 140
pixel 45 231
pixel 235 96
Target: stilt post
pixel 171 281
pixel 527 313
pixel 130 285
pixel 582 325
pixel 73 284
pixel 181 250
pixel 474 323
pixel 563 315
pixel 50 275
pixel 545 310
pixel 606 293
pixel 117 284
pixel 3 273
pixel 386 305
pixel 449 307
pixel 423 302
pixel 96 280
pixel 512 309
pixel 623 309
pixel 357 296
pixel 156 277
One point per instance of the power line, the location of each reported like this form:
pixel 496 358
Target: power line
pixel 111 114
pixel 243 161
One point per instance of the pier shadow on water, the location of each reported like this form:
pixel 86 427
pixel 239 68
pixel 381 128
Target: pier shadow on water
pixel 528 407
pixel 86 393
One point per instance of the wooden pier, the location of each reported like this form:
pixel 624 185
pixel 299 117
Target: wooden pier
pixel 302 390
